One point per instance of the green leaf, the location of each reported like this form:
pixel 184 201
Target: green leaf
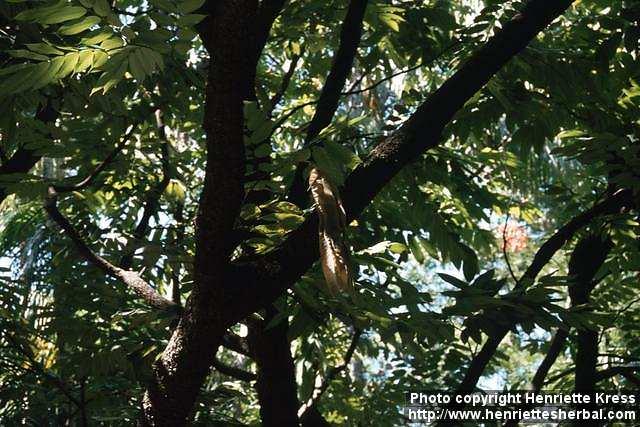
pixel 454 281
pixel 42 74
pixel 145 60
pixel 102 7
pixel 19 81
pixel 112 43
pixel 13 68
pixel 262 150
pixel 27 54
pixel 190 20
pixel 136 67
pixel 188 6
pixel 470 262
pixel 99 59
pixel 416 249
pixel 165 5
pixel 44 49
pixel 391 19
pixel 63 15
pixel 37 13
pixel 69 65
pixel 79 26
pixel 570 134
pixel 328 164
pixel 85 60
pixel 99 37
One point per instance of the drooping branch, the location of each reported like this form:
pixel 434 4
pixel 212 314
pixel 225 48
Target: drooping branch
pixel 88 180
pixel 130 278
pixel 582 268
pixel 611 205
pixel 37 368
pixel 555 348
pixel 438 56
pixel 236 343
pixel 628 372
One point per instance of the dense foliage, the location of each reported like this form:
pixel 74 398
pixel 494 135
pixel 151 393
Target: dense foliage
pixel 509 224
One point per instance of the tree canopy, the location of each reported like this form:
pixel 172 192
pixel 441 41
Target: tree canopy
pixel 160 242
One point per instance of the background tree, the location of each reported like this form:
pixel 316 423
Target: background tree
pixel 159 243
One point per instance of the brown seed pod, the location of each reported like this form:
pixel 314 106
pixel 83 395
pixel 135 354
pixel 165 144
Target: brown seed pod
pixel 334 255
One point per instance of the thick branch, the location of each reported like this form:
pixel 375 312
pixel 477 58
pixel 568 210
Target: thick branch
pixel 587 258
pixel 268 278
pixel 228 33
pixel 129 278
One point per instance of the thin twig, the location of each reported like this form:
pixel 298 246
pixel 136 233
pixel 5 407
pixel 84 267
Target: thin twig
pixel 504 249
pixel 107 160
pixel 153 196
pixel 286 81
pixel 407 70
